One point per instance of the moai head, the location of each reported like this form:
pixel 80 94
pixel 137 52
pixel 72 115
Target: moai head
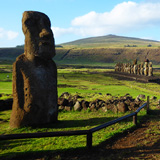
pixel 39 41
pixel 135 61
pixel 150 64
pixel 142 64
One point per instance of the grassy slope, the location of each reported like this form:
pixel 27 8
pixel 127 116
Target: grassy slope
pixel 103 56
pixel 87 84
pixel 97 51
pixel 110 41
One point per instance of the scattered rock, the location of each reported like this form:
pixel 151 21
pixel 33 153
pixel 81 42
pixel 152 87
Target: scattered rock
pixel 153 98
pixel 77 106
pixel 67 108
pixel 85 104
pixel 62 102
pixel 122 107
pixel 65 95
pixel 141 96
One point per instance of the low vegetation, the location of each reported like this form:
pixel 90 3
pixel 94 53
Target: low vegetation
pixel 90 84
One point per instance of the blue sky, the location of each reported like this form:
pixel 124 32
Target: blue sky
pixel 76 19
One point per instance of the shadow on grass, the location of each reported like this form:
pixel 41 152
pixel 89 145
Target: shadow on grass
pixel 154 112
pixel 68 154
pixel 97 152
pixel 78 123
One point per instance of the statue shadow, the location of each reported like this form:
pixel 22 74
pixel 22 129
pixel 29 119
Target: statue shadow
pixel 77 123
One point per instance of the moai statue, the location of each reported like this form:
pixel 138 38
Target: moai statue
pixel 142 69
pixel 35 75
pixel 138 69
pixel 129 68
pixel 135 61
pixel 135 68
pixel 150 70
pixel 124 67
pixel 146 68
pixel 116 67
pixel 132 69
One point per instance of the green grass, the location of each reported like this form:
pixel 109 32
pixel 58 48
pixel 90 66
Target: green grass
pixel 88 83
pixel 94 81
pixel 67 121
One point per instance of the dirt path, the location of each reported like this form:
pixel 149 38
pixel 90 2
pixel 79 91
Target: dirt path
pixel 142 143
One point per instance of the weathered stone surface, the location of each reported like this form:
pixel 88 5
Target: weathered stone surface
pixel 141 96
pixel 93 107
pixel 153 98
pixel 122 107
pixel 85 104
pixel 62 102
pixel 35 75
pixel 65 95
pixel 67 108
pixel 77 106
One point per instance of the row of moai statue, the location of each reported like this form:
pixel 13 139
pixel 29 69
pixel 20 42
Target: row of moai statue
pixel 144 68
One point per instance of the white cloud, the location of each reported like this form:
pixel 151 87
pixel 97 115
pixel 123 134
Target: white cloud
pixel 123 18
pixel 9 35
pixel 61 31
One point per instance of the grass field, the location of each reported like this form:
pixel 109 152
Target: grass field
pixel 67 121
pixel 90 84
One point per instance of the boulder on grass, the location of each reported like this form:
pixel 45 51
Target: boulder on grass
pixel 122 107
pixel 77 106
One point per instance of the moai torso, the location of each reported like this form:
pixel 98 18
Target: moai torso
pixel 138 69
pixel 129 68
pixel 142 69
pixel 35 75
pixel 146 69
pixel 135 69
pixel 150 70
pixel 34 92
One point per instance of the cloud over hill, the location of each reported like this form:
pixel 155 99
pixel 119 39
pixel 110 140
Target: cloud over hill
pixel 124 17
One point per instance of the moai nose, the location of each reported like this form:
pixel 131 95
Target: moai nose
pixel 45 33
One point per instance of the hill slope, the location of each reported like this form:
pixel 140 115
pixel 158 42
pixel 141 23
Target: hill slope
pixel 97 51
pixel 110 41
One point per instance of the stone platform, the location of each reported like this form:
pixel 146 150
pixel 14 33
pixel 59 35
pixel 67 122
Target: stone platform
pixel 141 78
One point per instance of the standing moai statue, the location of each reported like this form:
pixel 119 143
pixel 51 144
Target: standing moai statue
pixel 135 69
pixel 138 69
pixel 135 61
pixel 116 67
pixel 129 68
pixel 35 75
pixel 150 69
pixel 135 66
pixel 142 69
pixel 146 68
pixel 132 68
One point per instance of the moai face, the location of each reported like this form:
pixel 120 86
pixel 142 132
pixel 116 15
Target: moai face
pixel 39 39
